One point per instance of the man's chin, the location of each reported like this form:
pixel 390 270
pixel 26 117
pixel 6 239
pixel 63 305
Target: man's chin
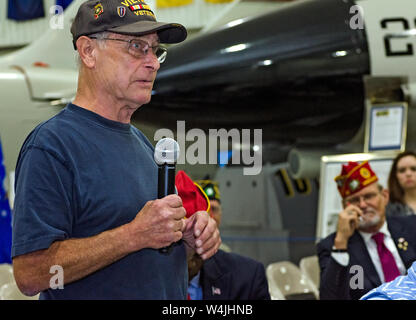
pixel 142 100
pixel 369 222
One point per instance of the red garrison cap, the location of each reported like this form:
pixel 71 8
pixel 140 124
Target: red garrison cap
pixel 193 197
pixel 354 177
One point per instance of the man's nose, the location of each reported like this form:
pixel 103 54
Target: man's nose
pixel 362 203
pixel 152 61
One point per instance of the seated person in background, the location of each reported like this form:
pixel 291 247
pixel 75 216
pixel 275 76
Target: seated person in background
pixel 225 276
pixel 367 249
pixel 211 189
pixel 401 288
pixel 402 185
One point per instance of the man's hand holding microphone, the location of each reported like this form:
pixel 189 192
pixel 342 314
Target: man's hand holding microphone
pixel 161 223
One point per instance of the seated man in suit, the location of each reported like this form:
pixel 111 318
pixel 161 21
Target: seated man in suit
pixel 367 249
pixel 225 276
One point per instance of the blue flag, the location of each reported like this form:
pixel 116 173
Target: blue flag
pixel 63 3
pixel 21 10
pixel 5 218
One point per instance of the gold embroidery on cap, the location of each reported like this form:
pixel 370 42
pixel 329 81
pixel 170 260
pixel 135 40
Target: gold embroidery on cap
pixel 98 10
pixel 142 9
pixel 365 173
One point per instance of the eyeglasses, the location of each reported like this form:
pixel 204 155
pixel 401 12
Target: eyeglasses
pixel 139 48
pixel 368 197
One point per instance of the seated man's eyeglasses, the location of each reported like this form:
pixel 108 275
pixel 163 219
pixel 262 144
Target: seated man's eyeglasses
pixel 368 197
pixel 139 48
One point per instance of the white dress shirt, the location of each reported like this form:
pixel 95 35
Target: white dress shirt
pixel 343 257
pixel 389 243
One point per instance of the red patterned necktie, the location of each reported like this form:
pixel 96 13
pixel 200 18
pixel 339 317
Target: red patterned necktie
pixel 388 263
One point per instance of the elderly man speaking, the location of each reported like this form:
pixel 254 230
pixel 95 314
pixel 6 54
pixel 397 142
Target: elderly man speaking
pixel 86 182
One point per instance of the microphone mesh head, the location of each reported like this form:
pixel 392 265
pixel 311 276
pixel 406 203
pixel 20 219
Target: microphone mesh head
pixel 166 151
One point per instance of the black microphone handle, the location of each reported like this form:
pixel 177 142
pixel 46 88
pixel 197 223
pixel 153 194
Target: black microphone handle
pixel 166 186
pixel 166 180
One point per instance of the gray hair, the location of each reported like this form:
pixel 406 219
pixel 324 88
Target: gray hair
pixel 101 43
pixel 100 37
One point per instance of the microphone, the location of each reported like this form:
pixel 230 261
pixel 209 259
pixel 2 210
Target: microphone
pixel 166 154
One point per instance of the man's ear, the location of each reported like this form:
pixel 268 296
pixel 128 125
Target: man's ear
pixel 386 196
pixel 86 49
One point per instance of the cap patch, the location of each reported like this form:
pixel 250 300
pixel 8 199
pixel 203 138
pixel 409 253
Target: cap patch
pixel 365 173
pixel 142 10
pixel 98 10
pixel 354 184
pixel 121 11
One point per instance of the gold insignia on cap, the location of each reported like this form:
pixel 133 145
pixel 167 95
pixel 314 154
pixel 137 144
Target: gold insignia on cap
pixel 98 10
pixel 365 173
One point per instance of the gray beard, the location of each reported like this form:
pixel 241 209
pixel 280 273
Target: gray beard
pixel 368 223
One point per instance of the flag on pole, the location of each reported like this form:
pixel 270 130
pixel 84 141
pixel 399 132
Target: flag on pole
pixel 5 217
pixel 63 3
pixel 22 10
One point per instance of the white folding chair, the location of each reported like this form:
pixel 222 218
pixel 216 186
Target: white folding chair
pixel 10 291
pixel 310 267
pixel 6 273
pixel 287 282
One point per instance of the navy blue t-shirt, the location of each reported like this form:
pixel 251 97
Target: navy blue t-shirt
pixel 79 174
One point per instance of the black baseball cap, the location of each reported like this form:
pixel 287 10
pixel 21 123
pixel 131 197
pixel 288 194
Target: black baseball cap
pixel 129 17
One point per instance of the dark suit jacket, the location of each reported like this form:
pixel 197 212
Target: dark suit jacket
pixel 229 276
pixel 335 279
